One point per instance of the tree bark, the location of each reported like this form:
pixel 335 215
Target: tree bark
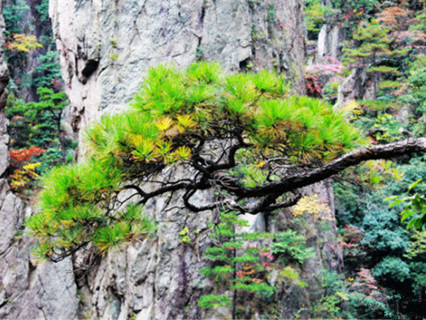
pixel 297 181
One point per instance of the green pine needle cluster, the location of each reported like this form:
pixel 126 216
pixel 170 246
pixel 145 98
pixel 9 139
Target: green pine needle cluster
pixel 175 108
pixel 74 210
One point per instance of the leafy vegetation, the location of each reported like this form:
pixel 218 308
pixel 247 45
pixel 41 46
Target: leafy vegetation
pixel 259 129
pixel 22 42
pixel 242 262
pixel 23 166
pixel 381 242
pixel 35 103
pixel 385 39
pixel 27 75
pixel 39 123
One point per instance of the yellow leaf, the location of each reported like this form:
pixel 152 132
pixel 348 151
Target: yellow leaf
pixel 183 153
pixel 164 123
pixel 342 295
pixel 186 121
pixel 261 164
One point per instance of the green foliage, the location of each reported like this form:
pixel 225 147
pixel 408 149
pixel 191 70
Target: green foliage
pixel 421 17
pixel 315 15
pixel 184 235
pixel 384 245
pixel 14 16
pixel 392 267
pixel 241 264
pixel 388 128
pixel 417 82
pixel 351 12
pixel 214 301
pixel 382 232
pixel 374 44
pixel 372 50
pixel 290 275
pixel 79 222
pixel 366 299
pixel 415 208
pixel 199 53
pixel 290 246
pixel 334 293
pixel 272 14
pixel 39 124
pixel 21 40
pixel 174 106
pixel 113 43
pixel 43 10
pixel 36 123
pixel 47 70
pixel 418 244
pixel 416 95
pixel 113 56
pixel 345 6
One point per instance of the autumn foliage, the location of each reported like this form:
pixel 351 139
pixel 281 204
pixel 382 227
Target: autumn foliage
pixel 24 170
pixel 21 156
pixel 22 42
pixel 317 75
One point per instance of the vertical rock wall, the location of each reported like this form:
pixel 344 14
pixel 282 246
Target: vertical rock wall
pixel 106 47
pixel 330 41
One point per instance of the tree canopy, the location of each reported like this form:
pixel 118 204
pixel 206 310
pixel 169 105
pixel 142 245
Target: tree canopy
pixel 243 136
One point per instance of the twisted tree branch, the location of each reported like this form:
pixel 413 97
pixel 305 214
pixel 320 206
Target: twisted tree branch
pixel 297 181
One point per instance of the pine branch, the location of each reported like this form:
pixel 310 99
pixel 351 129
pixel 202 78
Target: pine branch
pixel 297 181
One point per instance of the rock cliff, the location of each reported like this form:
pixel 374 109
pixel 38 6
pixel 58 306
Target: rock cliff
pixel 106 47
pixel 330 41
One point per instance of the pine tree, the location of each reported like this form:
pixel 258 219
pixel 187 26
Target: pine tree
pixel 371 50
pixel 269 145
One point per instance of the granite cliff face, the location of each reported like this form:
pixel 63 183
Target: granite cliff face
pixel 330 41
pixel 106 47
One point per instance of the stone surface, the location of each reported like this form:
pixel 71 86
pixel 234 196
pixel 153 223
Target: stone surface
pixel 11 218
pixel 357 86
pixel 330 41
pixel 106 47
pixel 47 291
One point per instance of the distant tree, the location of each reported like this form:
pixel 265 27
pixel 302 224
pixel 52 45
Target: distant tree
pixel 371 49
pixel 22 42
pixel 38 123
pixel 23 165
